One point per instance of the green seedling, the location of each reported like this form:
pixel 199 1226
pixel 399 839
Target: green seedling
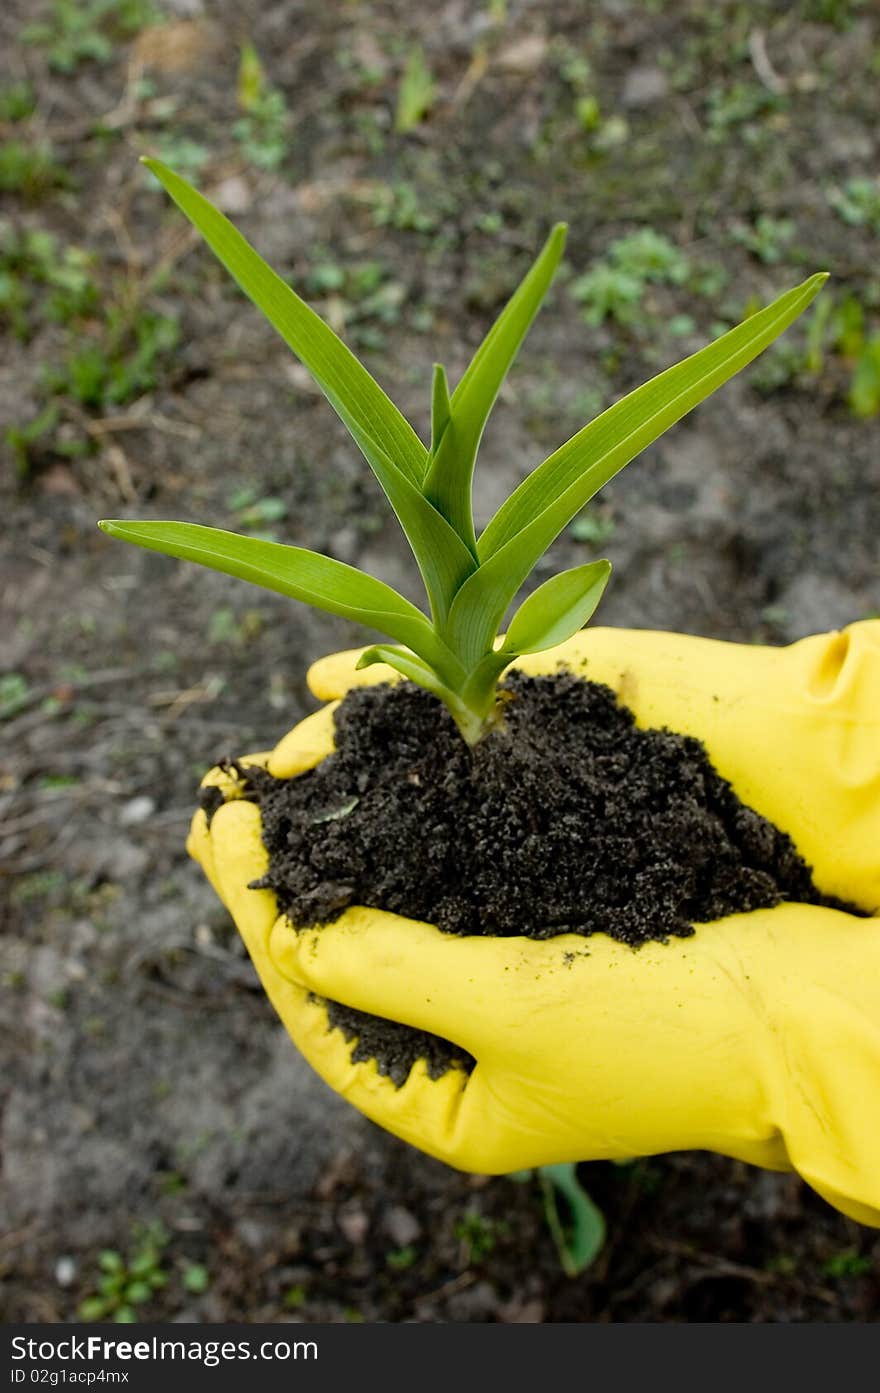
pixel 767 238
pixel 614 288
pixel 39 280
pixel 18 100
pixel 575 1223
pixel 458 653
pixel 858 203
pixel 120 365
pixel 29 169
pixel 262 128
pixel 124 1284
pixel 477 1235
pixel 416 93
pixel 78 32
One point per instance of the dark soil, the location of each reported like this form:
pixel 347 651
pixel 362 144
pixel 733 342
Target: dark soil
pixel 566 818
pixel 144 1077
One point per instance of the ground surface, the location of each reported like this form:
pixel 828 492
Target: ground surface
pixel 146 1081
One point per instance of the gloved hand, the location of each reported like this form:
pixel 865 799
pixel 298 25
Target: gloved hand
pixel 758 1038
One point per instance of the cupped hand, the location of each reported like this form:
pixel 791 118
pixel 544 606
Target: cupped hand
pixel 759 1037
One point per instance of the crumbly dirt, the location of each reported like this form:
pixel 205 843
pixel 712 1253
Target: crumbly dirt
pixel 144 1076
pixel 566 818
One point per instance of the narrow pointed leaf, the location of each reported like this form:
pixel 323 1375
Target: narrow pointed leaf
pixel 407 664
pixel 535 514
pixel 354 394
pixel 305 575
pixel 443 559
pixel 603 447
pixel 440 409
pixel 580 1241
pixel 450 472
pixel 557 609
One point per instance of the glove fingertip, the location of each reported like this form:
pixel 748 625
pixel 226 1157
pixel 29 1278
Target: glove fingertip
pixel 305 746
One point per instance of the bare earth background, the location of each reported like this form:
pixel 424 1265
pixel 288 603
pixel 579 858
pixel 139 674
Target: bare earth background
pixel 146 1081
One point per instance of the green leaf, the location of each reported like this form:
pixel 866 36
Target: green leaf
pixel 524 526
pixel 603 447
pixel 440 408
pixel 305 575
pixel 359 400
pixel 450 471
pixel 407 664
pixel 442 557
pixel 417 92
pixel 580 1242
pixel 557 609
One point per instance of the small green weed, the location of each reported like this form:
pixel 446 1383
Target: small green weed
pixel 401 1259
pixel 416 93
pixel 196 1278
pixel 835 344
pixel 477 1235
pixel 847 1263
pixel 127 1283
pixel 25 440
pixel 399 205
pixel 739 105
pixel 592 526
pixel 29 168
pixel 18 100
pixel 81 31
pixel 858 203
pixel 576 1225
pixel 767 238
pixel 121 363
pixel 14 694
pixel 262 129
pixel 614 288
pixel 40 281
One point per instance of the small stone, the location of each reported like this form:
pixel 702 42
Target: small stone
pixel 643 86
pixel 65 1271
pixel 522 1312
pixel 355 1224
pixel 137 810
pixel 523 55
pixel 475 1303
pixel 402 1227
pixel 233 195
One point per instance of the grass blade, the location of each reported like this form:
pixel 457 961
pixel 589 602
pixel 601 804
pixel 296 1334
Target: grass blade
pixel 354 394
pixel 305 575
pixel 450 471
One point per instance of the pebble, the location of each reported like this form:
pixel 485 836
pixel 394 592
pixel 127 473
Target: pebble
pixel 401 1226
pixel 643 86
pixel 355 1224
pixel 65 1271
pixel 136 810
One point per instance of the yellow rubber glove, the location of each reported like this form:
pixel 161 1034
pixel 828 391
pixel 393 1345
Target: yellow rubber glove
pixel 758 1038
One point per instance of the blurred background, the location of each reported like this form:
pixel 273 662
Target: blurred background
pixel 164 1148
